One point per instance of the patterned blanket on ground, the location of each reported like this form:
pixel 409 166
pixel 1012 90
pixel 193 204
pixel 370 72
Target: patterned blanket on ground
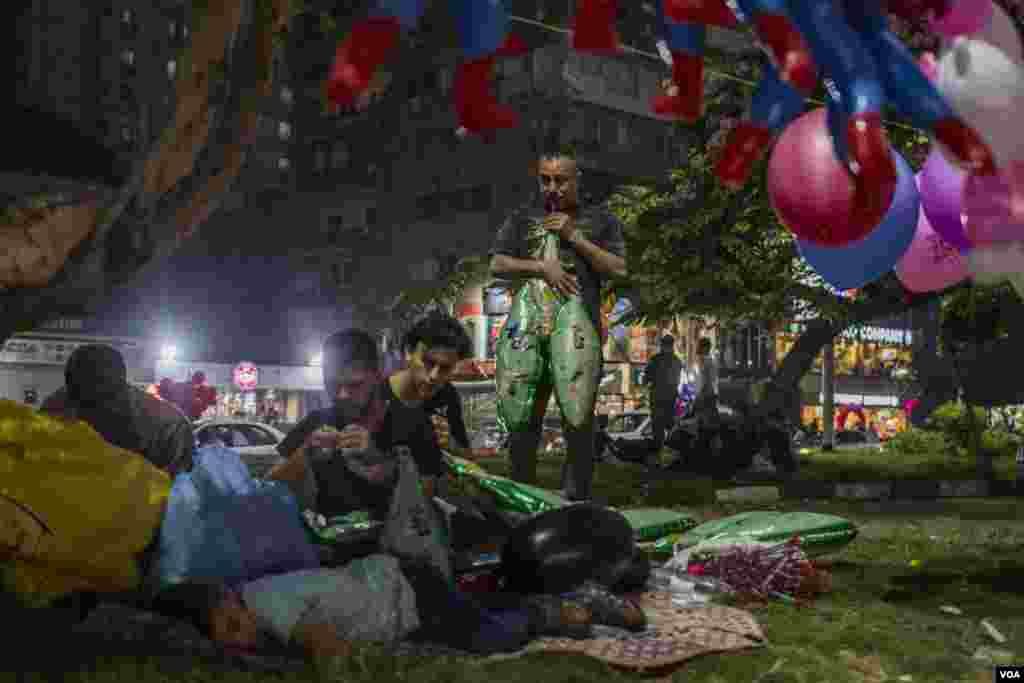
pixel 674 636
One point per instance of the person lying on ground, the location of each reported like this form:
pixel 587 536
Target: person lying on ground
pixel 97 392
pixel 365 416
pixel 324 612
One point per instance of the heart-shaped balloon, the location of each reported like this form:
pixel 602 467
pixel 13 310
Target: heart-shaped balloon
pixel 994 206
pixel 931 263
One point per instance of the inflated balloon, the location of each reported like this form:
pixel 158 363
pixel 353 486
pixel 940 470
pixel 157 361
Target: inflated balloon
pixel 985 87
pixel 931 264
pixel 593 28
pixel 963 17
pixel 810 190
pixel 991 264
pixel 942 193
pixel 865 67
pixel 556 551
pixel 1002 33
pixel 994 206
pixel 859 263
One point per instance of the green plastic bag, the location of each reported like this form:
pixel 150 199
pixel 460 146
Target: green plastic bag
pixel 652 524
pixel 820 534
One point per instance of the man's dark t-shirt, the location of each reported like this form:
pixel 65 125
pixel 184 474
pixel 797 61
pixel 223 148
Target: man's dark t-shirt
pixel 662 376
pixel 339 491
pixel 520 236
pixel 448 404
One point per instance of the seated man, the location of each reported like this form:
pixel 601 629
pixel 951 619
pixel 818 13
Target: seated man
pixel 97 391
pixel 432 349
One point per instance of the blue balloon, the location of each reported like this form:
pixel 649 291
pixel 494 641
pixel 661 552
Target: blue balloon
pixel 854 265
pixel 408 12
pixel 482 26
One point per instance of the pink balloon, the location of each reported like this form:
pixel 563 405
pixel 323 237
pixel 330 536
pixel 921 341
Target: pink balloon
pixel 994 206
pixel 810 190
pixel 964 17
pixel 929 66
pixel 931 263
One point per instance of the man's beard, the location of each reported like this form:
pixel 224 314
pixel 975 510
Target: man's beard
pixel 348 411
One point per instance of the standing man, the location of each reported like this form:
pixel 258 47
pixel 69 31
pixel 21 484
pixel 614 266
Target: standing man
pixel 97 392
pixel 706 403
pixel 662 375
pixel 591 247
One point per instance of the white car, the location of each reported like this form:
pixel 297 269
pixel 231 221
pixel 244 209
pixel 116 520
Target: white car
pixel 255 442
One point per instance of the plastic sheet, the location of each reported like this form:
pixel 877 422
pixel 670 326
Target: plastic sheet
pixel 74 511
pixel 223 525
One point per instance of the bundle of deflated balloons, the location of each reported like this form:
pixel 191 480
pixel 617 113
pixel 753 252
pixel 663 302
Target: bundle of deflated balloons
pixel 852 201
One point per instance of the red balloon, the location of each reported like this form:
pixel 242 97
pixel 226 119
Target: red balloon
pixel 811 190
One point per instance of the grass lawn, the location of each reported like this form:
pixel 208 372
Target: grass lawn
pixel 883 614
pixel 873 465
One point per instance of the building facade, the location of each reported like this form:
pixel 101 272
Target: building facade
pixel 32 364
pixel 110 68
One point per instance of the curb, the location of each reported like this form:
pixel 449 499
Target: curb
pixel 902 489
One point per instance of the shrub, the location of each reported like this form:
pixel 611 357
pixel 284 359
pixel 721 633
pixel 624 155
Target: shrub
pixel 917 442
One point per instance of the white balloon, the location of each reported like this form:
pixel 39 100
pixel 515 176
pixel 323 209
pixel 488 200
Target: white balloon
pixel 1002 33
pixel 986 89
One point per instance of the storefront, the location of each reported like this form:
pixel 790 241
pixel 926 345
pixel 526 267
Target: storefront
pixel 247 390
pixel 870 363
pixel 32 364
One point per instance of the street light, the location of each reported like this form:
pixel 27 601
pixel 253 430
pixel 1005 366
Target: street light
pixel 168 352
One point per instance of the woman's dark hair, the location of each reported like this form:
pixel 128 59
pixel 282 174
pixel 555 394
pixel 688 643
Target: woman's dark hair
pixel 95 373
pixel 439 331
pixel 553 148
pixel 350 348
pixel 192 601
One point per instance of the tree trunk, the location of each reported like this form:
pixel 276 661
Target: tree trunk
pixel 828 398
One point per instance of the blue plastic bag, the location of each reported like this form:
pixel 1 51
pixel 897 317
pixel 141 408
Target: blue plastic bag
pixel 224 525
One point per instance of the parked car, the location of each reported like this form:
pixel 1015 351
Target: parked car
pixel 255 442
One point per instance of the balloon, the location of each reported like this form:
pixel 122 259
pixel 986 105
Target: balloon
pixel 855 265
pixel 993 263
pixel 994 206
pixel 985 88
pixel 558 550
pixel 942 189
pixel 1002 33
pixel 482 26
pixel 963 17
pixel 810 190
pixel 931 263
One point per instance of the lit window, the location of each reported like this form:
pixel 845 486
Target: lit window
pixel 284 130
pixel 127 17
pixel 286 95
pixel 172 29
pixel 172 68
pixel 284 164
pixel 184 31
pixel 128 57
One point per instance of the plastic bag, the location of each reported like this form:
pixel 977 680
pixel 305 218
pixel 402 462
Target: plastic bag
pixel 414 532
pixel 224 525
pixel 75 511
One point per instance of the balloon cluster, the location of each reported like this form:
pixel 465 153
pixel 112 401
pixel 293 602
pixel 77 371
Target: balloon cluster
pixel 192 398
pixel 972 224
pixel 947 222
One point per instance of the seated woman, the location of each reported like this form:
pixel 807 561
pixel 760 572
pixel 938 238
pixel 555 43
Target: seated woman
pixel 325 611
